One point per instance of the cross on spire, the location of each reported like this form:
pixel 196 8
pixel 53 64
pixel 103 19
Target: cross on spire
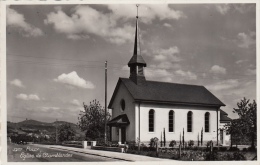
pixel 137 11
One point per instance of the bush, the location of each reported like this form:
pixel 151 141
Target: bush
pixel 191 143
pixel 223 149
pixel 251 149
pixel 212 156
pixel 209 143
pixel 172 143
pixel 238 156
pixel 233 149
pixel 153 141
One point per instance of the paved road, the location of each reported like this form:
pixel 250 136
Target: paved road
pixel 30 153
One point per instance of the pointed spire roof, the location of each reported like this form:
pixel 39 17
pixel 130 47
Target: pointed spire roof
pixel 137 57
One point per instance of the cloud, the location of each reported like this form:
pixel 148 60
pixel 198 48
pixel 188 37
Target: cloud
pixel 251 71
pixel 112 26
pixel 188 74
pixel 218 69
pixel 28 97
pixel 75 102
pixel 167 65
pixel 17 21
pixel 223 9
pixel 74 80
pixel 245 40
pixel 46 109
pixel 85 20
pixel 167 25
pixel 224 85
pixel 17 82
pixel 155 73
pixel 147 13
pixel 240 61
pixel 168 54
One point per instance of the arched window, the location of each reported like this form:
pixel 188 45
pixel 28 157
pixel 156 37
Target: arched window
pixel 189 121
pixel 207 115
pixel 151 120
pixel 171 121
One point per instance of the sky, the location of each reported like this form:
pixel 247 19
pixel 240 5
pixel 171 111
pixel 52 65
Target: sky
pixel 56 53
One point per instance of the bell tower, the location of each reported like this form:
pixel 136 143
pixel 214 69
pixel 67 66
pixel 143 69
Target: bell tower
pixel 137 62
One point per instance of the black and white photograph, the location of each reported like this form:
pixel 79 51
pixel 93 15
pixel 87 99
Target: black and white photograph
pixel 109 82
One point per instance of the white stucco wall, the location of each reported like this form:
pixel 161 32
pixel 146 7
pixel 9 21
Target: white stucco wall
pixel 129 111
pixel 161 122
pixel 226 140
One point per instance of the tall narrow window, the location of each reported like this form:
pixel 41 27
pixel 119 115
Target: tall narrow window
pixel 189 121
pixel 151 120
pixel 207 115
pixel 171 121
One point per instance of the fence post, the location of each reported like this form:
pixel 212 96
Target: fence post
pixel 157 154
pixel 180 151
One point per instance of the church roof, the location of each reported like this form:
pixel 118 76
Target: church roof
pixel 121 120
pixel 224 117
pixel 137 57
pixel 171 93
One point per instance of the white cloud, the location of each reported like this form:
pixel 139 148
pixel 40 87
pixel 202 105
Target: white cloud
pixel 85 20
pixel 223 9
pixel 188 74
pixel 17 82
pixel 168 54
pixel 17 21
pixel 112 26
pixel 223 85
pixel 251 71
pixel 245 40
pixel 27 97
pixel 147 13
pixel 218 69
pixel 74 80
pixel 240 61
pixel 168 65
pixel 157 73
pixel 46 109
pixel 75 102
pixel 167 25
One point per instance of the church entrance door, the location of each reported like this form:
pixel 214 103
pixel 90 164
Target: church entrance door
pixel 123 135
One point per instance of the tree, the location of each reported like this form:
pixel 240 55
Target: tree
pixel 246 124
pixel 234 129
pixel 66 132
pixel 92 120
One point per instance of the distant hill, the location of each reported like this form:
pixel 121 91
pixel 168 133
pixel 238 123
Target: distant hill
pixel 34 126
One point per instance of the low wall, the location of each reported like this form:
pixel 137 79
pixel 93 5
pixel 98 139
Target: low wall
pixel 114 149
pixel 79 144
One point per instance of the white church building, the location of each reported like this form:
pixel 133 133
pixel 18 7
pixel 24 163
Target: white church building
pixel 142 109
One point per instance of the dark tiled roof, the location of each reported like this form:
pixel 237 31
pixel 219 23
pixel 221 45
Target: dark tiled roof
pixel 119 120
pixel 223 112
pixel 162 92
pixel 136 59
pixel 224 116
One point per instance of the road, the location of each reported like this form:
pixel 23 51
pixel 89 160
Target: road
pixel 30 153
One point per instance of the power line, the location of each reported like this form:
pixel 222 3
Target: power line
pixel 201 72
pixel 120 68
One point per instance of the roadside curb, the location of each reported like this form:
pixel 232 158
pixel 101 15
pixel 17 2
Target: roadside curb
pixel 108 154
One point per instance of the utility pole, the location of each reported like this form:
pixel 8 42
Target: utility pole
pixel 106 102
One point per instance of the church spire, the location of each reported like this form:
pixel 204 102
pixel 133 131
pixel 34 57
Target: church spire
pixel 137 62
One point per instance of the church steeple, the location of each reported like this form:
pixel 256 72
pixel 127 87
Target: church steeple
pixel 137 62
